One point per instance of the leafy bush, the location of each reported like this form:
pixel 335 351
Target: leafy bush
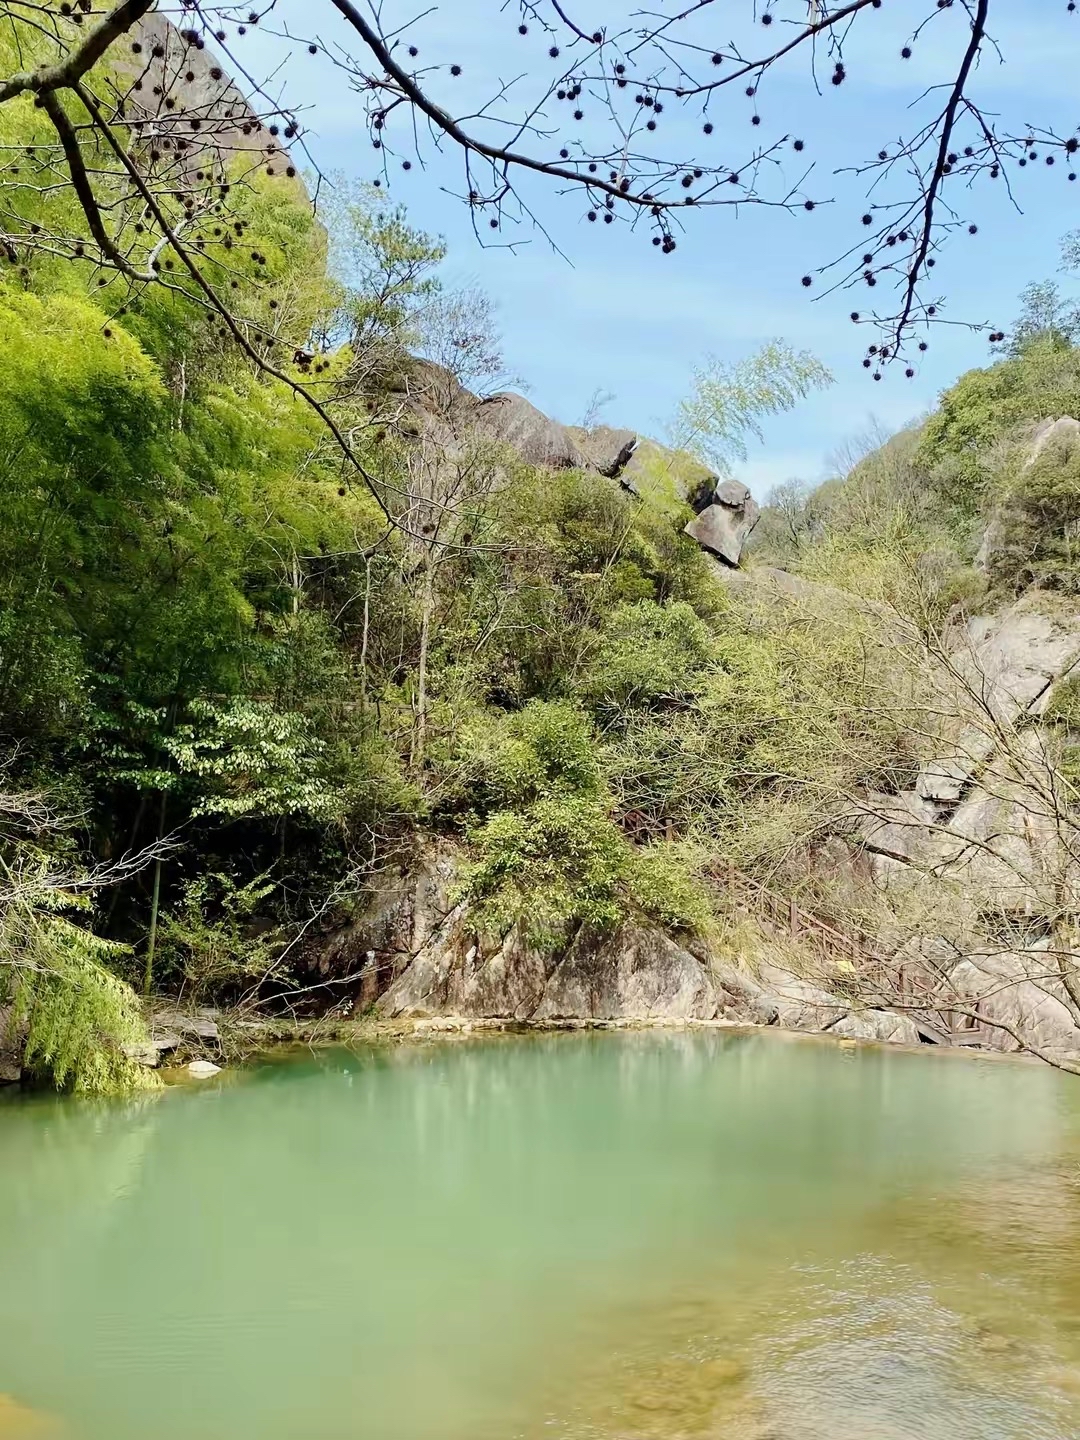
pixel 77 1017
pixel 548 748
pixel 648 655
pixel 663 881
pixel 558 861
pixel 250 759
pixel 209 943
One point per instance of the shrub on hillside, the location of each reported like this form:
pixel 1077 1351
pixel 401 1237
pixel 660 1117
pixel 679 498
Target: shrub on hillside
pixel 1034 537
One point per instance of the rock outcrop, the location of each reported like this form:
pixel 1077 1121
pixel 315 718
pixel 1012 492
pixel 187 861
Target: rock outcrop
pixel 884 1026
pixel 725 511
pixel 982 810
pixel 515 421
pixel 1014 1001
pixel 415 954
pixel 634 973
pixel 188 104
pixel 724 526
pixel 606 449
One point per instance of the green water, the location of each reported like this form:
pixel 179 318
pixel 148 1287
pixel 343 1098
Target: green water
pixel 655 1235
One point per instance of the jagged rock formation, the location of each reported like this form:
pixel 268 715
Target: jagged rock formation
pixel 725 511
pixel 606 449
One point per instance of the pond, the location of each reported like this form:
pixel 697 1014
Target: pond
pixel 590 1235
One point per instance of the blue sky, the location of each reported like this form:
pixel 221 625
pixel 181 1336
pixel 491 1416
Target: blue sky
pixel 618 316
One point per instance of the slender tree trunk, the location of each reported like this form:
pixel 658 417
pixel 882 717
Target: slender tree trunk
pixel 151 944
pixel 420 732
pixel 365 636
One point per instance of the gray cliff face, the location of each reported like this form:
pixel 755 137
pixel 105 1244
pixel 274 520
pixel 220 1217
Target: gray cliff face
pixel 186 103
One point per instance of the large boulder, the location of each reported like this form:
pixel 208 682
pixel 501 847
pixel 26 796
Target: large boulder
pixel 407 905
pixel 514 421
pixel 1013 658
pixel 884 1026
pixel 1011 1001
pixel 607 449
pixel 897 826
pixel 800 1004
pixel 635 972
pixel 724 526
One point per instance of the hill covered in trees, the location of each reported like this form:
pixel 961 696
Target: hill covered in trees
pixel 250 669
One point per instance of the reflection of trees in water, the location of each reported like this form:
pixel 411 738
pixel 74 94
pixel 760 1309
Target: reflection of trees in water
pixel 75 1155
pixel 66 1164
pixel 650 1235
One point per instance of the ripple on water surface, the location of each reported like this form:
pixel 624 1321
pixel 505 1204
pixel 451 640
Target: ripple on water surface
pixel 596 1236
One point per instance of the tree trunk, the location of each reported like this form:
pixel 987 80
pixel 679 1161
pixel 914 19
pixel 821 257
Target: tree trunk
pixel 420 730
pixel 151 944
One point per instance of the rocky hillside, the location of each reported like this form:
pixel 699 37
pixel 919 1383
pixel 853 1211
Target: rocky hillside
pixel 962 868
pixel 482 714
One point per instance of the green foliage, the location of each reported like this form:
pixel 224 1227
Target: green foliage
pixel 987 407
pixel 648 655
pixel 79 1016
pixel 73 1017
pixel 1036 527
pixel 1062 717
pixel 1063 707
pixel 386 268
pixel 548 748
pixel 250 759
pixel 211 941
pixel 664 882
pixel 1045 315
pixel 555 862
pixel 729 401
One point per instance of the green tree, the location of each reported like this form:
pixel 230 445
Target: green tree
pixel 729 401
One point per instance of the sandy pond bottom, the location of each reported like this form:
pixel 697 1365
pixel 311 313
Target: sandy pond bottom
pixel 639 1235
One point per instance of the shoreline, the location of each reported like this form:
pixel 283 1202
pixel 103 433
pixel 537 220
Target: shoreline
pixel 320 1034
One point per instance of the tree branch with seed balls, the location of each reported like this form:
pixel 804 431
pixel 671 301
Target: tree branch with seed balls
pixel 635 69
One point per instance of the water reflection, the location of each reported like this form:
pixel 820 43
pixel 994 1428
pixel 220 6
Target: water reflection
pixel 653 1235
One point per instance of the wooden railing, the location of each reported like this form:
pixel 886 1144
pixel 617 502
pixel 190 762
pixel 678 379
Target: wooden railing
pixel 883 980
pixel 783 912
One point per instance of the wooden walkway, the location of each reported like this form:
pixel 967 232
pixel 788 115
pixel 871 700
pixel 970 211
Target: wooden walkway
pixel 883 982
